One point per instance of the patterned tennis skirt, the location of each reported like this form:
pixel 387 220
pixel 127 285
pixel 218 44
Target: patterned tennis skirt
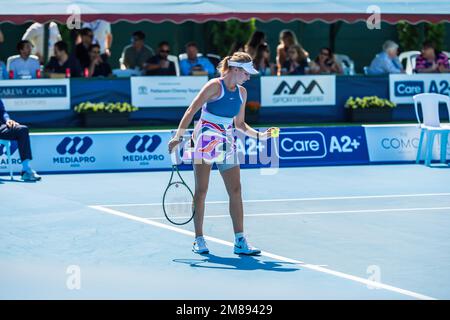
pixel 214 140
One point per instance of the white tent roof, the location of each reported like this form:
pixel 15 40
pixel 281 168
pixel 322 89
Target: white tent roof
pixel 20 11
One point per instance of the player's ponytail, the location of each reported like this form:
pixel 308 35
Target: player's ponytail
pixel 223 65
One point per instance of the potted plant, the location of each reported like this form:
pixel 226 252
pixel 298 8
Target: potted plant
pixel 102 114
pixel 369 109
pixel 252 111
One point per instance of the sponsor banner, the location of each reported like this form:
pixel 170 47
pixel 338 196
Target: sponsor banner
pixel 95 152
pixel 294 91
pixel 397 143
pixel 165 91
pixel 403 87
pixel 35 95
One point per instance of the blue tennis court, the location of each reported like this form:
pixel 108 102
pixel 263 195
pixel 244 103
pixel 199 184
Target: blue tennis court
pixel 342 232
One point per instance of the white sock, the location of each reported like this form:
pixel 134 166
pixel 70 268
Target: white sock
pixel 238 235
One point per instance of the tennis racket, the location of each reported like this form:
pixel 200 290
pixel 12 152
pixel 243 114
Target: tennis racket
pixel 178 200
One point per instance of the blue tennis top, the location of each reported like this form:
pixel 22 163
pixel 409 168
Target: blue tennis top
pixel 227 104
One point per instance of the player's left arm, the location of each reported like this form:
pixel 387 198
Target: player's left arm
pixel 241 125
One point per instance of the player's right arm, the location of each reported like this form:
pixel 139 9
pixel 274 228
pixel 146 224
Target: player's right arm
pixel 207 93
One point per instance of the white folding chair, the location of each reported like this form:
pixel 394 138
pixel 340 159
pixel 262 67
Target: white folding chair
pixel 183 56
pixel 7 146
pixel 174 59
pixel 410 57
pixel 431 125
pixel 347 64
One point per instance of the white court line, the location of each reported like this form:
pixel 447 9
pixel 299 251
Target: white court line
pixel 293 199
pixel 314 212
pixel 269 255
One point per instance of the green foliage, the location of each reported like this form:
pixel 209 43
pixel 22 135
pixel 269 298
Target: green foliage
pixel 436 34
pixel 408 36
pixel 224 34
pixel 368 102
pixel 110 107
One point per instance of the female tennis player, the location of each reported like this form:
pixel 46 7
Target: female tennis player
pixel 222 101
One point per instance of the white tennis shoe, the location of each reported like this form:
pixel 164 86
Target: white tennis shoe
pixel 241 246
pixel 199 246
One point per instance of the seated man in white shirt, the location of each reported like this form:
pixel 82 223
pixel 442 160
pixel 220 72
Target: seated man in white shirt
pixel 24 66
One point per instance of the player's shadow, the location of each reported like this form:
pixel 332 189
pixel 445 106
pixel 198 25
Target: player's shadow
pixel 249 263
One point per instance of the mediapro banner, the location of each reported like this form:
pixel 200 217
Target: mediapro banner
pixel 397 143
pixel 78 152
pixel 35 95
pixel 403 87
pixel 165 91
pixel 294 91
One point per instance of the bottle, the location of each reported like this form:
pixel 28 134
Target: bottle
pixel 11 74
pixel 67 72
pixel 38 73
pixel 86 72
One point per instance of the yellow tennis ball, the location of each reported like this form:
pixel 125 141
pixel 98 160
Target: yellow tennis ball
pixel 275 132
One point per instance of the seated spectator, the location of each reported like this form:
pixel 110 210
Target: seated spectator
pixel 82 49
pixel 24 66
pixel 158 65
pixel 11 130
pixel 102 36
pixel 194 64
pixel 262 61
pixel 98 67
pixel 137 53
pixel 62 61
pixel 431 60
pixel 257 38
pixel 326 63
pixel 3 71
pixel 287 39
pixel 297 62
pixel 386 61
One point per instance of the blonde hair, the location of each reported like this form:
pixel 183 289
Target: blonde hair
pixel 237 57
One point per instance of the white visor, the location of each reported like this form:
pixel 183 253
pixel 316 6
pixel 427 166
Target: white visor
pixel 247 66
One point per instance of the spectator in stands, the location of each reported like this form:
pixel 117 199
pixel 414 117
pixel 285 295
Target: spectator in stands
pixel 2 38
pixel 431 60
pixel 386 61
pixel 262 61
pixel 237 46
pixel 297 62
pixel 3 72
pixel 35 34
pixel 11 130
pixel 194 64
pixel 82 49
pixel 326 62
pixel 102 36
pixel 287 39
pixel 159 65
pixel 24 66
pixel 135 55
pixel 97 66
pixel 62 61
pixel 257 38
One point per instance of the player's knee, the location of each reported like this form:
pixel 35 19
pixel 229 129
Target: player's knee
pixel 200 193
pixel 235 191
